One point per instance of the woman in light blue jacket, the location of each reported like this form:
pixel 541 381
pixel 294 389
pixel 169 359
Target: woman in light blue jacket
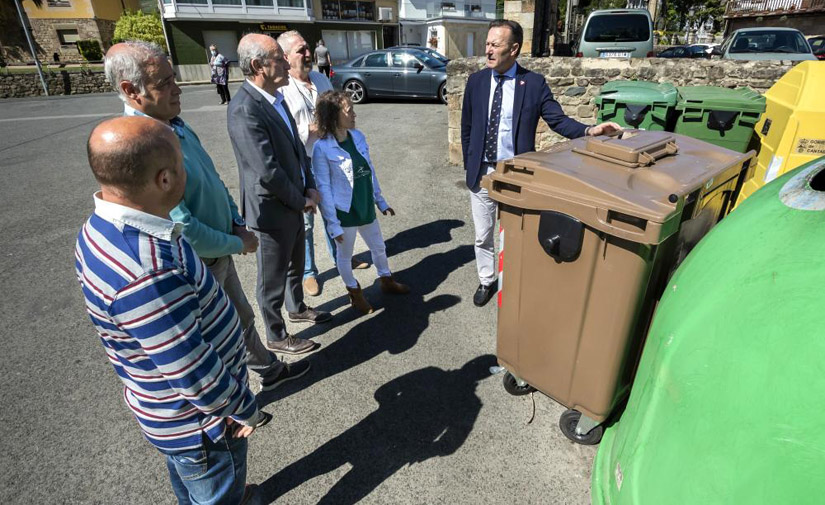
pixel 349 189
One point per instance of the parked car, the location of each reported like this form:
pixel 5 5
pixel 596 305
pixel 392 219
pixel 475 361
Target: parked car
pixel 817 43
pixel 432 52
pixel 766 44
pixel 694 51
pixel 617 33
pixel 406 72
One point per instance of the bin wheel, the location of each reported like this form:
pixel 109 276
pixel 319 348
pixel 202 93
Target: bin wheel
pixel 512 387
pixel 568 422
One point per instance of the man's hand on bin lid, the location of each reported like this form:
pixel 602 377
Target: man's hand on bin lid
pixel 603 129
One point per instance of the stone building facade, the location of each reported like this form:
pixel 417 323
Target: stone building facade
pixel 575 83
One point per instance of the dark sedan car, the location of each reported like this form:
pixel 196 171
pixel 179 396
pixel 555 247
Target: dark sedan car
pixel 684 52
pixel 818 45
pixel 392 72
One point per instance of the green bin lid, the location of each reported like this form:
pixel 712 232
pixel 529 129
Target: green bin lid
pixel 716 98
pixel 639 92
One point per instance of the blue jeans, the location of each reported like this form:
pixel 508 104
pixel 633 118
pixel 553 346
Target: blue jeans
pixel 310 269
pixel 214 474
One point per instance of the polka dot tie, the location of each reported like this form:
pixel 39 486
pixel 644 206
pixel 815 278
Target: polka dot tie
pixel 491 139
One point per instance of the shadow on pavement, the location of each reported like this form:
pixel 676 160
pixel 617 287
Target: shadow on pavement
pixel 399 322
pixel 421 415
pixel 419 237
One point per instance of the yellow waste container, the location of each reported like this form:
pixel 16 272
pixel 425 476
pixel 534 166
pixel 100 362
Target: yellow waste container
pixel 791 129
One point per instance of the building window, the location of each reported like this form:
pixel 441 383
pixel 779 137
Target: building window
pixel 67 37
pixel 58 3
pixel 259 3
pixel 348 9
pixel 290 3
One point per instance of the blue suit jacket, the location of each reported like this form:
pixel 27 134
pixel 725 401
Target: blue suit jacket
pixel 532 100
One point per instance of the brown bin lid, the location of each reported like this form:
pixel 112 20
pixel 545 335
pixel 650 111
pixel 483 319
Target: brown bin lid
pixel 632 185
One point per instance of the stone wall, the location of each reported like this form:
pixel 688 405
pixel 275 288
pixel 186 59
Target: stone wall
pixel 45 33
pixel 575 82
pixel 59 83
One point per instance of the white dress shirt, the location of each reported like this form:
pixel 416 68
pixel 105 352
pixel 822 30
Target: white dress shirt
pixel 301 101
pixel 505 124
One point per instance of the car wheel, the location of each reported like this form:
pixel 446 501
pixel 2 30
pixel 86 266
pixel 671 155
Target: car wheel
pixel 442 92
pixel 356 91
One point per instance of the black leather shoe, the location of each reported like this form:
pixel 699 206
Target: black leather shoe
pixel 287 373
pixel 309 315
pixel 291 345
pixel 484 294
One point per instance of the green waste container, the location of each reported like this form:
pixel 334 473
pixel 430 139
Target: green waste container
pixel 722 116
pixel 726 405
pixel 637 104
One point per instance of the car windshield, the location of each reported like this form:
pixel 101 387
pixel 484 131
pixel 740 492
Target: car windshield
pixel 618 28
pixel 763 41
pixel 437 55
pixel 817 44
pixel 428 60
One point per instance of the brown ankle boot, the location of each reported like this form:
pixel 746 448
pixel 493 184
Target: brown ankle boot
pixel 391 286
pixel 357 300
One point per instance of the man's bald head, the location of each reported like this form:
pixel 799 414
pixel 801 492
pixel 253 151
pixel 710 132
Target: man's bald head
pixel 126 153
pixel 257 47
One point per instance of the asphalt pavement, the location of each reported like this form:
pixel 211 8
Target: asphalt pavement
pixel 399 406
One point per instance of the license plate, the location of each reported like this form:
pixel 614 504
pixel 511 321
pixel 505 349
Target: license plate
pixel 615 54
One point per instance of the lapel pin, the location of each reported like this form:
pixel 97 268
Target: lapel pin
pixel 521 83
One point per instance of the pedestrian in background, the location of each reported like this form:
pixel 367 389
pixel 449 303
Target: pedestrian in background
pixel 502 107
pixel 168 329
pixel 220 72
pixel 349 194
pixel 300 96
pixel 211 220
pixel 322 58
pixel 277 187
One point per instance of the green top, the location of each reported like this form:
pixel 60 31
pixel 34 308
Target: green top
pixel 638 92
pixel 362 208
pixel 716 98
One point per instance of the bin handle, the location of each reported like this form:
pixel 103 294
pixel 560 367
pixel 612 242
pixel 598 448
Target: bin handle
pixel 603 217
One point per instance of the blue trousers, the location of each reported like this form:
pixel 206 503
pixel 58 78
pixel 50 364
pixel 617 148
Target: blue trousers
pixel 214 474
pixel 310 268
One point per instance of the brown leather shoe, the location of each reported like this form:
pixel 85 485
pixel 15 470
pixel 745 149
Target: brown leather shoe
pixel 311 286
pixel 358 302
pixel 391 286
pixel 359 265
pixel 291 345
pixel 309 315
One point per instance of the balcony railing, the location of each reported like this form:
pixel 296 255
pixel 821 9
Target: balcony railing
pixel 238 8
pixel 738 8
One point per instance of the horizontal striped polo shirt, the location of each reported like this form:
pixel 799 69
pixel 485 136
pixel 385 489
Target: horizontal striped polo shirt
pixel 167 327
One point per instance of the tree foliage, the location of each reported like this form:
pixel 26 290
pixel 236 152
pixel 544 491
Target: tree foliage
pixel 680 13
pixel 139 26
pixel 90 49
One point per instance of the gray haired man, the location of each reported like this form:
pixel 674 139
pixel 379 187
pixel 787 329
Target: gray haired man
pixel 141 74
pixel 277 187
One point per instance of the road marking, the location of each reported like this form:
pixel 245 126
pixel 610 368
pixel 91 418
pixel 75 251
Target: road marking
pixel 203 108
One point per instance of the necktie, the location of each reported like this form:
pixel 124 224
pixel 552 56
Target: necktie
pixel 491 139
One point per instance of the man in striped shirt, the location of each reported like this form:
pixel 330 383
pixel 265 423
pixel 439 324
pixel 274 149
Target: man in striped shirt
pixel 167 327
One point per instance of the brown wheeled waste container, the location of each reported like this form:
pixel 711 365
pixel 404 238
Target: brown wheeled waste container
pixel 591 231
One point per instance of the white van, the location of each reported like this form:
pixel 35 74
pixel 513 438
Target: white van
pixel 617 33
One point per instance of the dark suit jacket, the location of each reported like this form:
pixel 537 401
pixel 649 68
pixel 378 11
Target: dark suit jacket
pixel 270 160
pixel 532 100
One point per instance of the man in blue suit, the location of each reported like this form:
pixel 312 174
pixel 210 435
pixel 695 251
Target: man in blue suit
pixel 501 110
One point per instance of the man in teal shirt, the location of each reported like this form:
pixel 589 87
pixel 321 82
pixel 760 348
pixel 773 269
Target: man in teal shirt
pixel 211 221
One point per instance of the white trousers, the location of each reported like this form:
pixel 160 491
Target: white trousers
pixel 484 220
pixel 371 233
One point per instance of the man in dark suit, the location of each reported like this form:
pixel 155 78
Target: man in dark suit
pixel 501 110
pixel 276 188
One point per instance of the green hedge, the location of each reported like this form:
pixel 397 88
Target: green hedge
pixel 90 49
